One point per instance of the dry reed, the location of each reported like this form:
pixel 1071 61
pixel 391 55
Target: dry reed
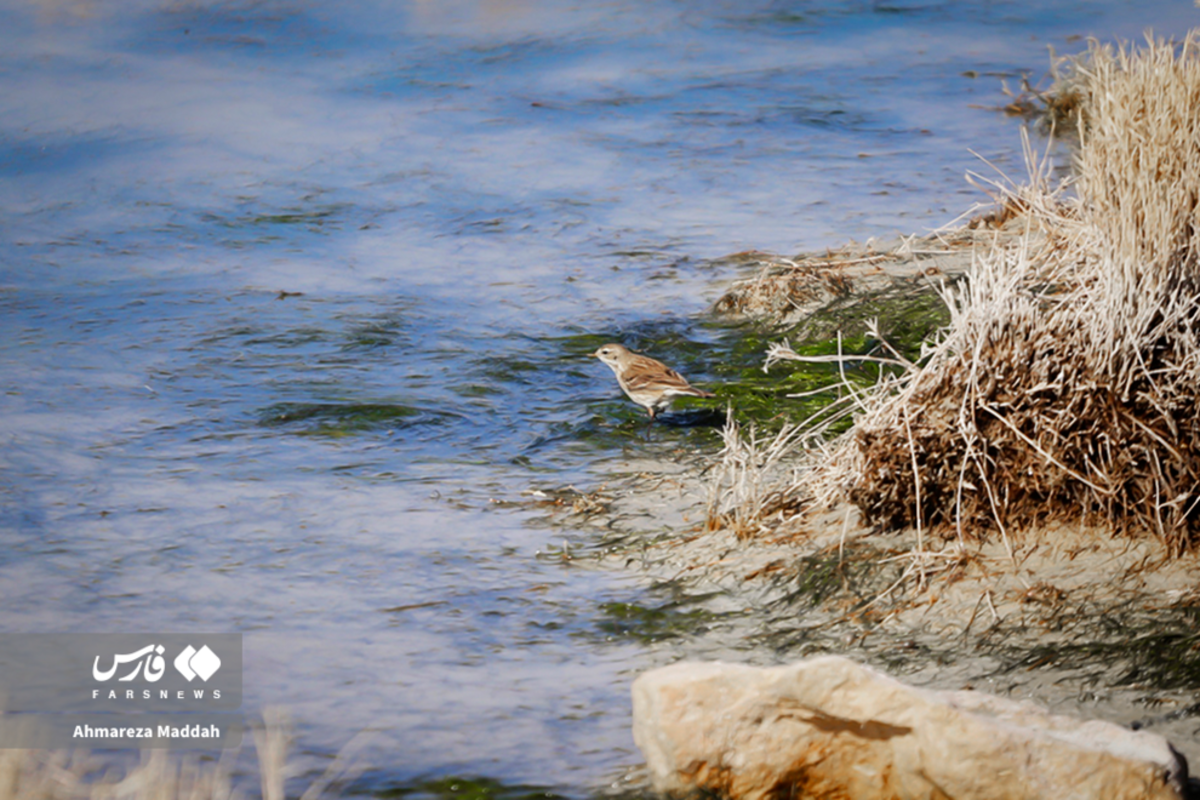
pixel 162 775
pixel 745 487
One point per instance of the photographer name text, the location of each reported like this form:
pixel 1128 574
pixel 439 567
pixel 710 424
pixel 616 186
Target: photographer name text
pixel 148 732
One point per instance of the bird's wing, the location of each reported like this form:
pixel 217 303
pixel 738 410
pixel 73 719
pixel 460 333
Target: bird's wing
pixel 649 374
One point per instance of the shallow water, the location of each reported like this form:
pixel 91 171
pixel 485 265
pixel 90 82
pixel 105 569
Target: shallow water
pixel 292 293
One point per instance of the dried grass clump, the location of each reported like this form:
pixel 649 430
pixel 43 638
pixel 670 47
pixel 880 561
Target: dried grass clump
pixel 85 775
pixel 746 490
pixel 1066 385
pixel 80 774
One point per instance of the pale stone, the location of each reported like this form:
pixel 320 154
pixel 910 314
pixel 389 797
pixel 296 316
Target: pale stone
pixel 829 727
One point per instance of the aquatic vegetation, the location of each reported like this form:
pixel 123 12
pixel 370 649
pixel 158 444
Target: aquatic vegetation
pixel 466 788
pixel 854 571
pixel 1158 651
pixel 726 359
pixel 652 624
pixel 839 323
pixel 341 419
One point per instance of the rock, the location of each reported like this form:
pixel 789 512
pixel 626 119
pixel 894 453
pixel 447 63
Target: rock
pixel 828 727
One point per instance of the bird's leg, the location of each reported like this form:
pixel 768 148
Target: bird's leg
pixel 650 422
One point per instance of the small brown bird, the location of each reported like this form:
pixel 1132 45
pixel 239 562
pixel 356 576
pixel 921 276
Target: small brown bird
pixel 648 382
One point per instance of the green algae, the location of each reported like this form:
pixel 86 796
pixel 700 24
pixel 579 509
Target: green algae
pixel 727 358
pixel 841 580
pixel 372 334
pixel 467 788
pixel 853 571
pixel 904 316
pixel 344 419
pixel 1159 651
pixel 647 623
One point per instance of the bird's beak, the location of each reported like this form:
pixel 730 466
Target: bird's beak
pixel 594 355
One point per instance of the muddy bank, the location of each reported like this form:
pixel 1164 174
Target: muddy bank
pixel 1079 621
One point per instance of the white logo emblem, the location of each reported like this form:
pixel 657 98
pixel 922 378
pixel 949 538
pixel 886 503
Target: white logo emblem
pixel 153 661
pixel 191 663
pixel 202 663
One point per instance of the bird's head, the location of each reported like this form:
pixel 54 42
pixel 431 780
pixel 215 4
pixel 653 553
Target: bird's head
pixel 612 354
